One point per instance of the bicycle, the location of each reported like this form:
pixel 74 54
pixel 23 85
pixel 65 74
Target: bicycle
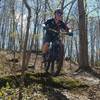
pixel 54 57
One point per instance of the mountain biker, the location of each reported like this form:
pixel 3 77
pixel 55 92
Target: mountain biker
pixel 56 24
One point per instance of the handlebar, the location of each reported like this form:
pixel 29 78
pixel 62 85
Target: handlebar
pixel 62 33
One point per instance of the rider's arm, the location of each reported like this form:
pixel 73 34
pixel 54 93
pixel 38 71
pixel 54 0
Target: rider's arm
pixel 45 26
pixel 48 24
pixel 64 26
pixel 67 29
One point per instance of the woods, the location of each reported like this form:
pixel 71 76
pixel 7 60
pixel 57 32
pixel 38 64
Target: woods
pixel 13 25
pixel 22 34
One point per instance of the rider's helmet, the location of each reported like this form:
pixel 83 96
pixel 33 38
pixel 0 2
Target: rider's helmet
pixel 58 11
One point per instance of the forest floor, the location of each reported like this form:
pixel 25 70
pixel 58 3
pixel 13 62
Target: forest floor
pixel 69 85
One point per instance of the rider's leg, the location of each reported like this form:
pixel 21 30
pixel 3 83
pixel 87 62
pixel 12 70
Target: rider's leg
pixel 45 49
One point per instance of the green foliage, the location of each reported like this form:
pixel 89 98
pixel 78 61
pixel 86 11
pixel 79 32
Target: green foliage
pixel 1 93
pixel 1 65
pixel 97 63
pixel 7 85
pixel 69 83
pixel 42 79
pixel 37 85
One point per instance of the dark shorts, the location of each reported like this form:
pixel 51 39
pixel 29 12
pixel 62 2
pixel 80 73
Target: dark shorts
pixel 47 38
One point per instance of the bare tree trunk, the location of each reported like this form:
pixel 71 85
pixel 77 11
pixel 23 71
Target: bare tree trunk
pixel 77 51
pixel 66 21
pixel 83 56
pixel 98 33
pixel 92 42
pixel 27 34
pixel 35 33
pixel 25 49
pixel 45 10
pixel 2 35
pixel 62 4
pixel 20 41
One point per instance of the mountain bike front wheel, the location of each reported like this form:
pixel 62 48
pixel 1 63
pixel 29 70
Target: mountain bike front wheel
pixel 56 64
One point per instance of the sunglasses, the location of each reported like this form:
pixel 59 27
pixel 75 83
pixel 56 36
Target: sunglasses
pixel 59 14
